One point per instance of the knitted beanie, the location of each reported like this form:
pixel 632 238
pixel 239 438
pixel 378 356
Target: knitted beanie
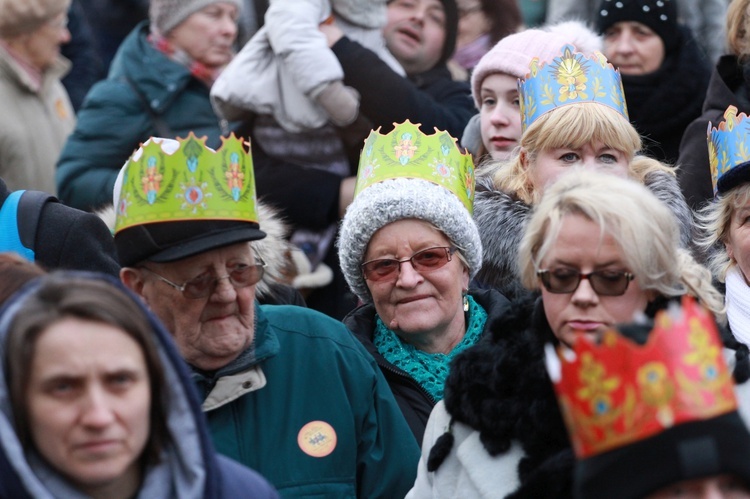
pixel 165 15
pixel 24 16
pixel 397 199
pixel 659 15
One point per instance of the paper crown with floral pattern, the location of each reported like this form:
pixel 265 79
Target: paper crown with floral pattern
pixel 570 78
pixel 190 183
pixel 618 393
pixel 728 151
pixel 406 152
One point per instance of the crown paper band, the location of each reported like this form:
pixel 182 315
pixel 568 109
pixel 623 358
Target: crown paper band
pixel 569 79
pixel 728 145
pixel 406 152
pixel 618 392
pixel 192 183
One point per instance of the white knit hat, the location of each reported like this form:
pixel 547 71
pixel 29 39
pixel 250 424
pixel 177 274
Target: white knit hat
pixel 24 16
pixel 398 199
pixel 165 15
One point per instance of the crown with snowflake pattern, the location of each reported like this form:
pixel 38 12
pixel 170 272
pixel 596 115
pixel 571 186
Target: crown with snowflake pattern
pixel 728 152
pixel 570 78
pixel 192 182
pixel 407 152
pixel 618 392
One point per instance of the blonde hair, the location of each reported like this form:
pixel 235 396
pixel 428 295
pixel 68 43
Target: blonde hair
pixel 738 19
pixel 643 227
pixel 713 221
pixel 573 126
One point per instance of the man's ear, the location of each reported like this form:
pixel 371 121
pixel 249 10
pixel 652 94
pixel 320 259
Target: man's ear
pixel 133 279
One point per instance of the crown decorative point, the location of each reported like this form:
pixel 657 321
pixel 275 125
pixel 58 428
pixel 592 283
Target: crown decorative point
pixel 407 152
pixel 617 392
pixel 570 78
pixel 728 145
pixel 183 179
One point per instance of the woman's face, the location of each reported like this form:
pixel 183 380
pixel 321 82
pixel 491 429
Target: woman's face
pixel 42 46
pixel 426 309
pixel 208 34
pixel 500 115
pixel 550 164
pixel 718 487
pixel 633 48
pixel 738 241
pixel 580 248
pixel 88 403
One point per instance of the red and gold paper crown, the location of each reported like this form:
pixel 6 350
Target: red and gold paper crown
pixel 618 392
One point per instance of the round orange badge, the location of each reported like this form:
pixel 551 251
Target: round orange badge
pixel 317 439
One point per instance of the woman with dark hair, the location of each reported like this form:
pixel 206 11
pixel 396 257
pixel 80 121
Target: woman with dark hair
pixel 97 402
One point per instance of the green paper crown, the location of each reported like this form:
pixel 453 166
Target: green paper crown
pixel 570 78
pixel 728 146
pixel 192 183
pixel 406 152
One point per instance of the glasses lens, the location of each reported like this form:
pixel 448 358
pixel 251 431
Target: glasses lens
pixel 244 276
pixel 609 282
pixel 377 270
pixel 430 259
pixel 560 280
pixel 200 286
pixel 240 277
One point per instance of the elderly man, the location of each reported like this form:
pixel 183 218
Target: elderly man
pixel 287 391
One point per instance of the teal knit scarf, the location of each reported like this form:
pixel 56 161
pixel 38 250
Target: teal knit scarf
pixel 428 369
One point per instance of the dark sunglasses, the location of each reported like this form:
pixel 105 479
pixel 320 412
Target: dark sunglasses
pixel 423 261
pixel 604 282
pixel 240 276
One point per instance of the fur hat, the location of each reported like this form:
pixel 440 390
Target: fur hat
pixel 24 16
pixel 659 15
pixel 165 15
pixel 398 199
pixel 512 54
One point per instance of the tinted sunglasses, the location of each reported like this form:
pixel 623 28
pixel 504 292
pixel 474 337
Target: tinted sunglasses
pixel 604 282
pixel 423 261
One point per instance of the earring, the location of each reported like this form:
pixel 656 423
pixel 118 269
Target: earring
pixel 466 301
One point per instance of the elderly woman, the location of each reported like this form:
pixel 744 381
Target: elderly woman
pixel 98 404
pixel 723 223
pixel 588 129
pixel 158 84
pixel 408 249
pixel 36 108
pixel 602 250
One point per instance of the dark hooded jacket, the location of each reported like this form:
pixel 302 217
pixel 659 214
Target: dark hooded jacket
pixel 190 467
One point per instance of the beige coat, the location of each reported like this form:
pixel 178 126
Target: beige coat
pixel 33 125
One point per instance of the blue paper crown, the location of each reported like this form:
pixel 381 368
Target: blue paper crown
pixel 569 79
pixel 728 152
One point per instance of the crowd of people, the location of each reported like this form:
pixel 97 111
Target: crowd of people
pixel 374 249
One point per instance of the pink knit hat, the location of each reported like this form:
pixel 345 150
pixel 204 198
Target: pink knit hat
pixel 512 54
pixel 24 16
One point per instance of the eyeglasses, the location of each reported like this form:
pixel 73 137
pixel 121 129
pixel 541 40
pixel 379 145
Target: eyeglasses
pixel 205 284
pixel 604 282
pixel 423 261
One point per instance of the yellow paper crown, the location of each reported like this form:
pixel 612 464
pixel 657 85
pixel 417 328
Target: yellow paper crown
pixel 618 392
pixel 406 152
pixel 192 183
pixel 728 151
pixel 570 78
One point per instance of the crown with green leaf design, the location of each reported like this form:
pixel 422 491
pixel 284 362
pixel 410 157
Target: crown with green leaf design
pixel 192 183
pixel 570 78
pixel 728 152
pixel 406 152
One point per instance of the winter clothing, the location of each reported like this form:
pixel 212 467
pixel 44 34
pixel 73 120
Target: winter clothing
pixel 82 52
pixel 662 104
pixel 502 218
pixel 165 15
pixel 70 239
pixel 36 121
pixel 24 16
pixel 117 116
pixel 189 467
pixel 305 370
pixel 414 401
pixel 509 439
pixel 659 15
pixel 728 86
pixel 396 199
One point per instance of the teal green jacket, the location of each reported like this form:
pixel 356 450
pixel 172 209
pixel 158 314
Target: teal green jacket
pixel 116 117
pixel 325 423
